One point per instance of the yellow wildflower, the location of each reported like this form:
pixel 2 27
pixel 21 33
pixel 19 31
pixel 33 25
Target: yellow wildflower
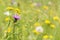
pixel 52 26
pixel 34 31
pixel 9 30
pixel 45 7
pixel 45 36
pixel 7 19
pixel 17 10
pixel 10 8
pixel 37 24
pixel 55 18
pixel 47 21
pixel 50 36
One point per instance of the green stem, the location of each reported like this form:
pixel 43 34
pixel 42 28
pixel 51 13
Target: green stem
pixel 14 32
pixel 7 32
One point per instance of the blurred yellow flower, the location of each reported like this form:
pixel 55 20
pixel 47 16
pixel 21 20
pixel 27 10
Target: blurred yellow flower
pixel 9 8
pixel 37 33
pixel 37 24
pixel 55 18
pixel 45 7
pixel 47 21
pixel 52 26
pixel 9 30
pixel 7 19
pixel 50 36
pixel 17 10
pixel 45 36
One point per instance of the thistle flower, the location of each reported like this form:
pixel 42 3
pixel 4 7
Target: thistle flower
pixel 16 17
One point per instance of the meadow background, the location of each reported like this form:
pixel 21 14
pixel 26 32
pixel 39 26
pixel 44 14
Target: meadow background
pixel 33 13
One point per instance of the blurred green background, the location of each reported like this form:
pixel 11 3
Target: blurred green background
pixel 30 14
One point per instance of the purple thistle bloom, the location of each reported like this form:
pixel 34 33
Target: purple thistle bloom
pixel 17 17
